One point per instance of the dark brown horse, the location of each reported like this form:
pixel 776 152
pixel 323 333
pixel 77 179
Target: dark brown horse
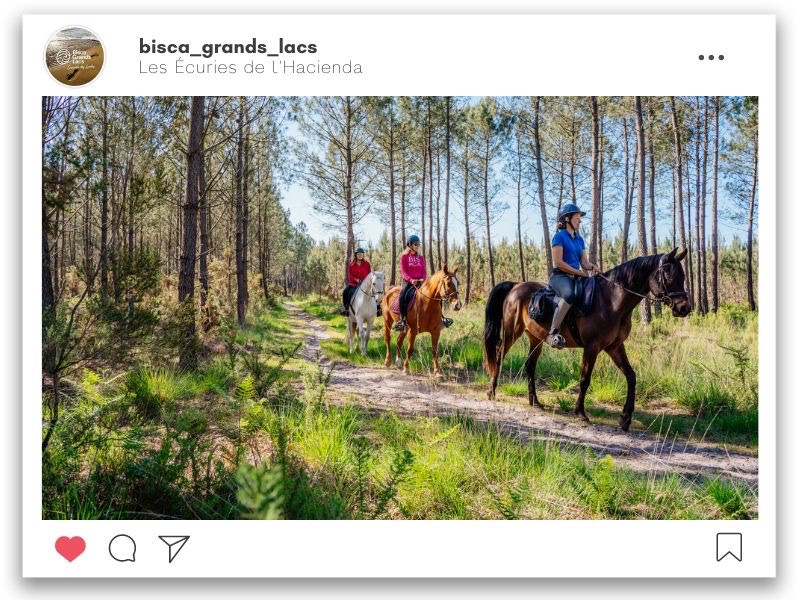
pixel 605 328
pixel 424 316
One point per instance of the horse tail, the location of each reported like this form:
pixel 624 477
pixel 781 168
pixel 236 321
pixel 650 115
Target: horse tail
pixel 493 326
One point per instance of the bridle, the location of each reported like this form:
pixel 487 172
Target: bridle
pixel 664 296
pixel 440 291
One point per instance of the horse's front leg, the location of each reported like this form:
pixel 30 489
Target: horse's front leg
pixel 589 358
pixel 620 358
pixel 387 338
pixel 400 339
pixel 530 369
pixel 350 333
pixel 366 325
pixel 435 350
pixel 411 337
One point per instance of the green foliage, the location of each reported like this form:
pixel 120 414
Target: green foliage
pixel 261 491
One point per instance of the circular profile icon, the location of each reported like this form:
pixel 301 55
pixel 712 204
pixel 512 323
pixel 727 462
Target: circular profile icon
pixel 74 56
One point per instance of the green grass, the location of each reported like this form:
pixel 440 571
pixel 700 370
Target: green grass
pixel 154 442
pixel 701 371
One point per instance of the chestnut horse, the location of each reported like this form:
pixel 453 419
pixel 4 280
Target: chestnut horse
pixel 605 328
pixel 425 316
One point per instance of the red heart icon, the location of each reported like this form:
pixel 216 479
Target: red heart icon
pixel 70 548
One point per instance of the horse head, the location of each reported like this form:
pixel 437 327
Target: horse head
pixel 377 285
pixel 667 283
pixel 449 287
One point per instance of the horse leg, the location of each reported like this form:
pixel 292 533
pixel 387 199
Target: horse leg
pixel 411 337
pixel 620 358
pixel 387 338
pixel 435 349
pixel 400 339
pixel 589 358
pixel 350 333
pixel 530 370
pixel 365 337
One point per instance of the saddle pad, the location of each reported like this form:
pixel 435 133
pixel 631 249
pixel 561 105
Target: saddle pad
pixel 395 307
pixel 543 303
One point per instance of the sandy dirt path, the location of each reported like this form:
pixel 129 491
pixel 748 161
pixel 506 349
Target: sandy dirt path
pixel 387 390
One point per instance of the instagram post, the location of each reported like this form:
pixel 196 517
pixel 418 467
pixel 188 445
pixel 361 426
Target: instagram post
pixel 301 293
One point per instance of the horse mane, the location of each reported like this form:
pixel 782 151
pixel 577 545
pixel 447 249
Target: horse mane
pixel 629 270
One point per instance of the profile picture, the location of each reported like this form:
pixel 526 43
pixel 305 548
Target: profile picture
pixel 74 56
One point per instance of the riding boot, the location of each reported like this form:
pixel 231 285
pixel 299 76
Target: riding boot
pixel 555 339
pixel 400 325
pixel 446 321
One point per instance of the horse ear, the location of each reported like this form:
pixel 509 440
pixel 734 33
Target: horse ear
pixel 444 268
pixel 454 271
pixel 682 255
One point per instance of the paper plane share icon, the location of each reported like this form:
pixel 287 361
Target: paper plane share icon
pixel 175 544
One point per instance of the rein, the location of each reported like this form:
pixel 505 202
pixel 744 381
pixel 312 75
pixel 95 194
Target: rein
pixel 665 297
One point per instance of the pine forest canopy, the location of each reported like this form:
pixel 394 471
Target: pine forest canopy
pixel 189 196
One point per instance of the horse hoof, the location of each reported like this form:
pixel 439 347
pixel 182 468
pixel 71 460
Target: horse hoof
pixel 625 423
pixel 537 404
pixel 490 396
pixel 583 417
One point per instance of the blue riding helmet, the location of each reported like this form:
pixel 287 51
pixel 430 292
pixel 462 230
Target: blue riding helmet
pixel 413 239
pixel 359 249
pixel 569 209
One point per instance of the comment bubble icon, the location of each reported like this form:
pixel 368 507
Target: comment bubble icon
pixel 122 548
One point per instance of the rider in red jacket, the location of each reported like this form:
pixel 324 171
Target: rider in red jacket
pixel 357 270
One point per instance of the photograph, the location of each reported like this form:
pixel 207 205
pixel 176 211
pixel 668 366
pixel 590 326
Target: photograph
pixel 398 307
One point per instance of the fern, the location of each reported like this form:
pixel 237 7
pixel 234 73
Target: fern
pixel 397 473
pixel 262 491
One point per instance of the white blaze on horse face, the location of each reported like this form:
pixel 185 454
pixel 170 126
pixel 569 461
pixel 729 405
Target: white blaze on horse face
pixel 455 285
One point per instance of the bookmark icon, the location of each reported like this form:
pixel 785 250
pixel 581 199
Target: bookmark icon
pixel 175 543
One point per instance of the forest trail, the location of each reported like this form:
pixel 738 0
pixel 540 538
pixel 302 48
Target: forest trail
pixel 389 390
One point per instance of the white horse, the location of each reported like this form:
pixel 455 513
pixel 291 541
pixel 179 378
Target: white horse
pixel 363 309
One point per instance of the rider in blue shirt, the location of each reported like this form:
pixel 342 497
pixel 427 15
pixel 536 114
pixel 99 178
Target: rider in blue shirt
pixel 569 256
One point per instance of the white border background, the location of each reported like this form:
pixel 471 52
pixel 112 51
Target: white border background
pixel 12 309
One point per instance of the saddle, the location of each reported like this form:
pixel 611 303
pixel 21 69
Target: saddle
pixel 542 305
pixel 395 307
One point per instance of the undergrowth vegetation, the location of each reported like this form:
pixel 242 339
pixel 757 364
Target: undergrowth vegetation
pixel 253 434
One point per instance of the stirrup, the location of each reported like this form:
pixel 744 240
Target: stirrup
pixel 400 325
pixel 556 340
pixel 343 311
pixel 446 321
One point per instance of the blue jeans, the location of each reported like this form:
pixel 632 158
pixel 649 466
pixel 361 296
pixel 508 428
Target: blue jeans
pixel 564 286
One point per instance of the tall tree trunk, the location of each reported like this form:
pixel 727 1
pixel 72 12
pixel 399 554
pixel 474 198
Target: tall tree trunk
pixel 595 177
pixel 188 354
pixel 392 216
pixel 448 101
pixel 467 241
pixel 537 153
pixel 431 258
pixel 628 208
pixel 679 168
pixel 104 207
pixel 573 159
pixel 519 208
pixel 239 218
pixel 348 190
pixel 599 215
pixel 403 232
pixel 486 210
pixel 645 306
pixel 132 201
pixel 205 321
pixel 438 204
pixel 425 158
pixel 751 298
pixel 698 289
pixel 703 246
pixel 714 216
pixel 689 255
